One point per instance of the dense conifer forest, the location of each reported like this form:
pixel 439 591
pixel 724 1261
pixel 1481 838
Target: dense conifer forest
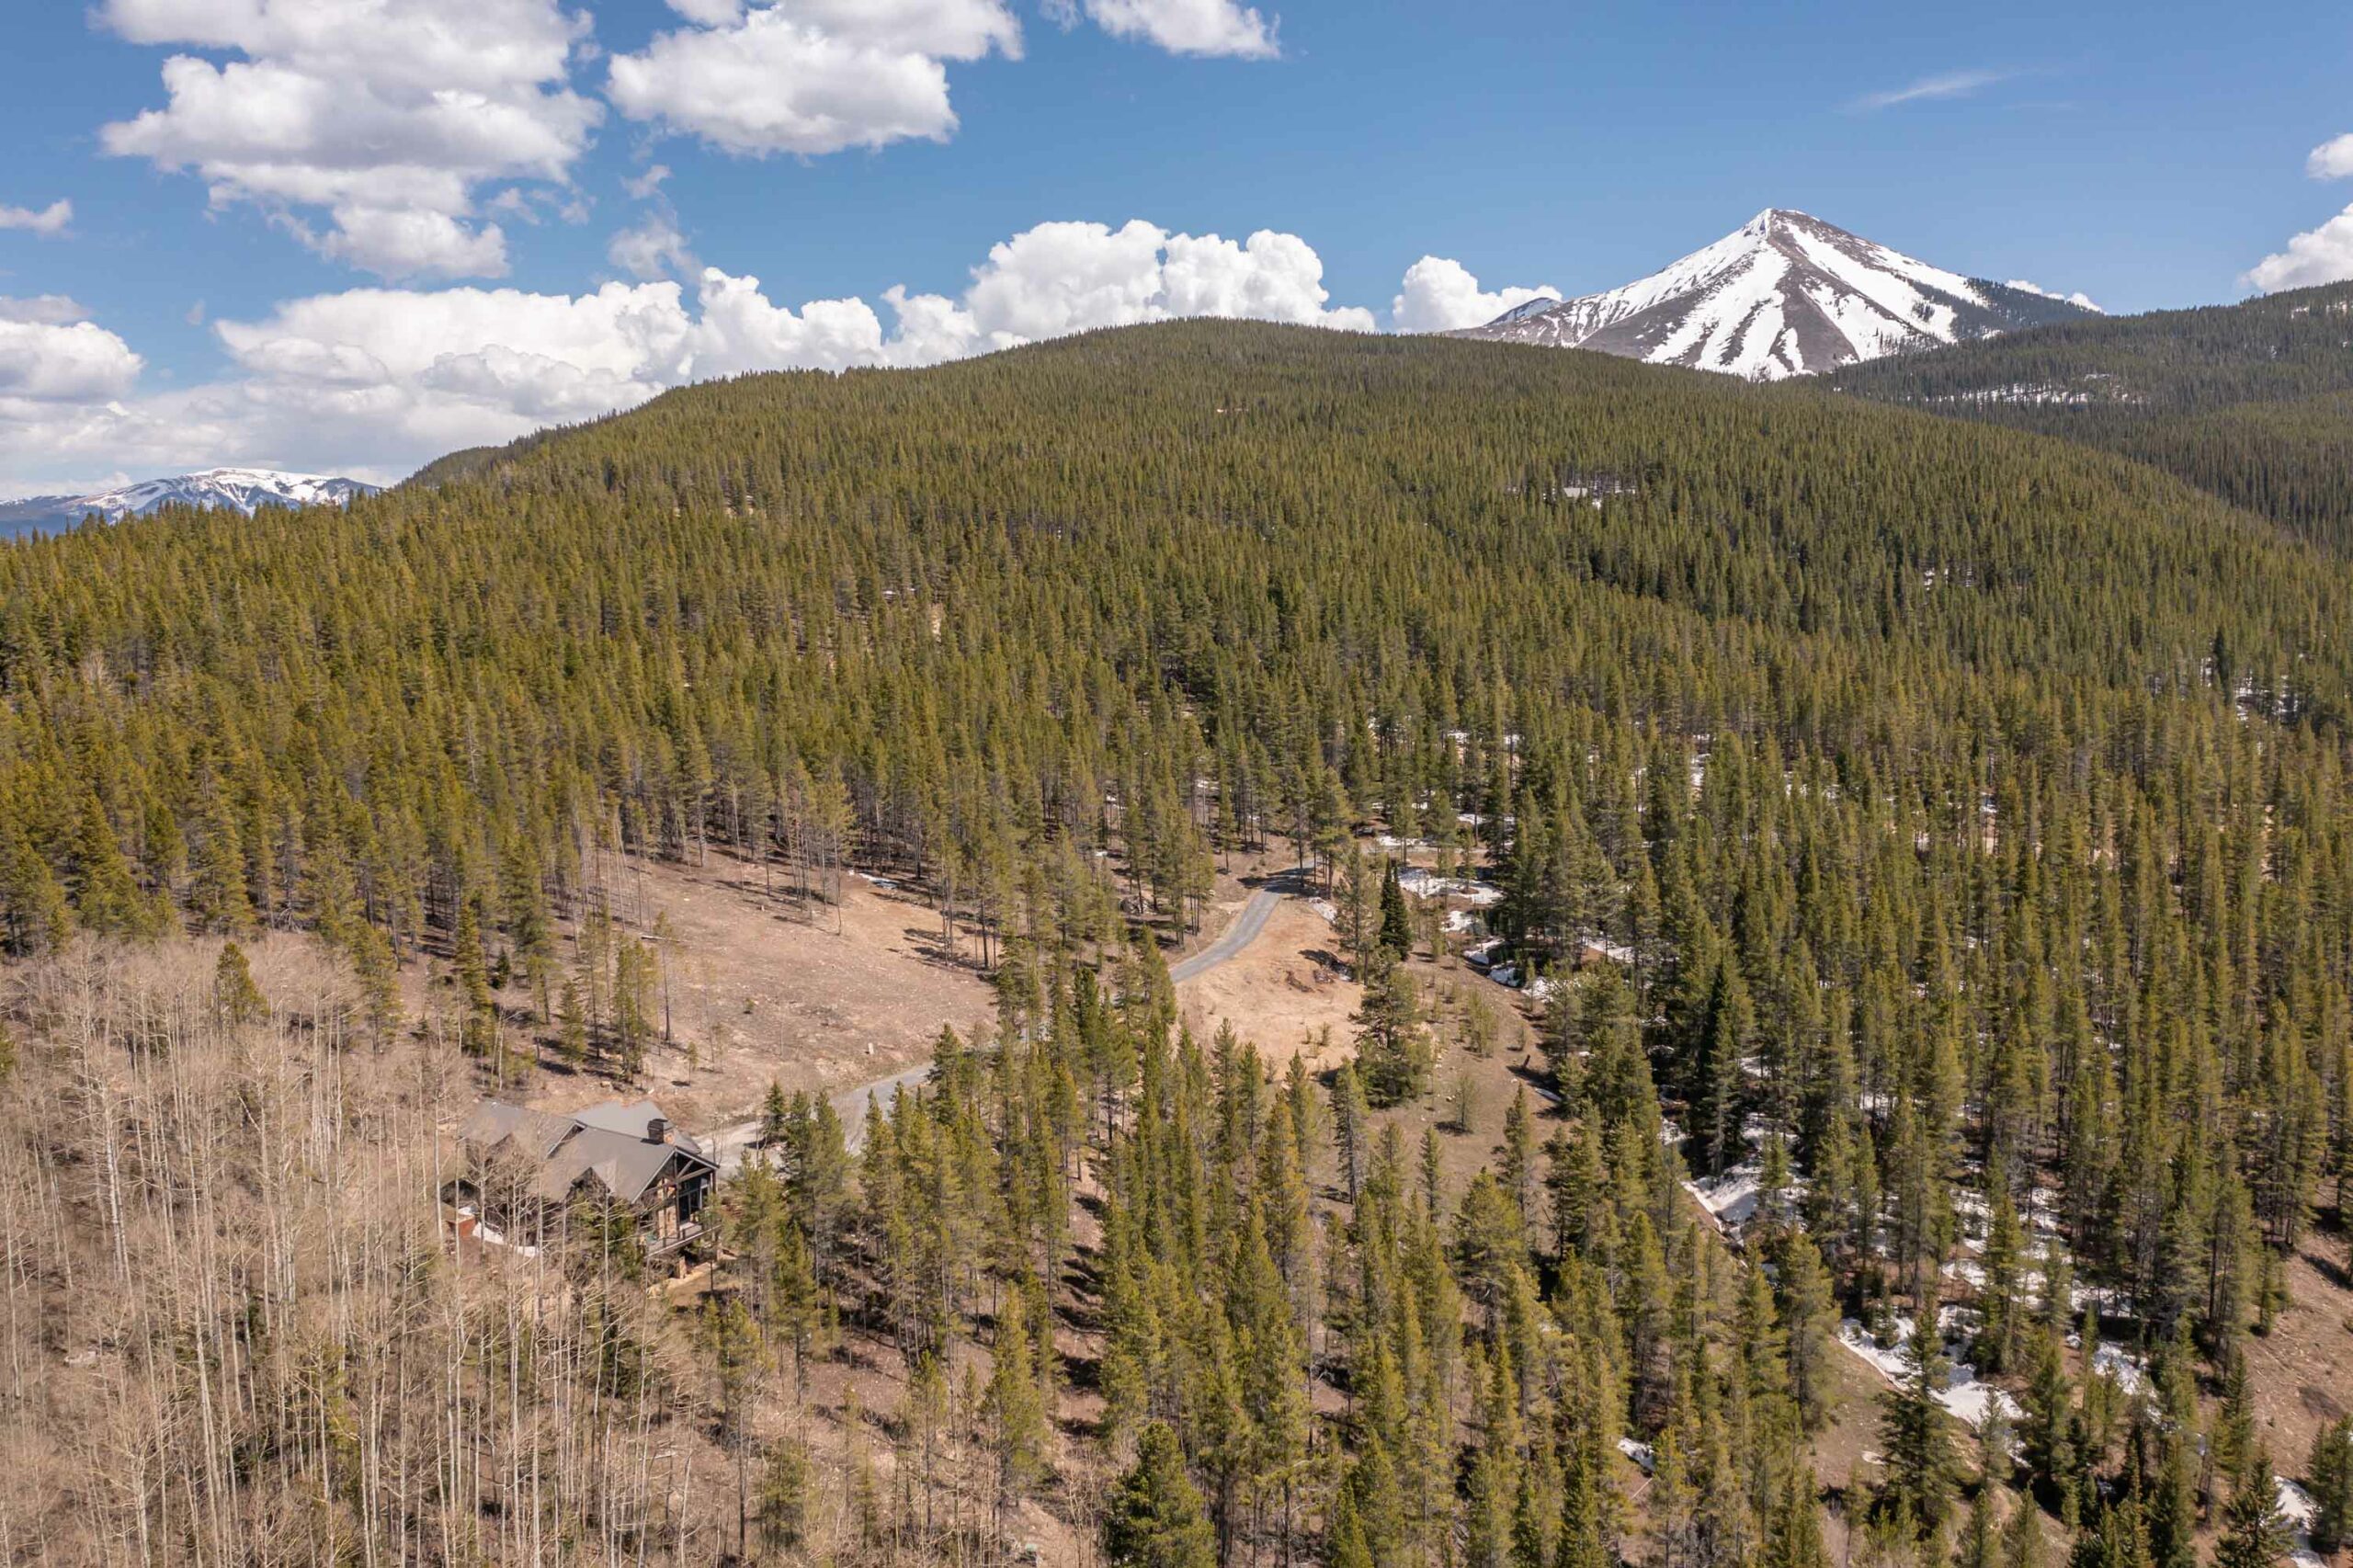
pixel 1971 811
pixel 2249 401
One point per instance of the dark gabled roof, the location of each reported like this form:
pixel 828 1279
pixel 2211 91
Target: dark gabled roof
pixel 534 1132
pixel 606 1142
pixel 630 1117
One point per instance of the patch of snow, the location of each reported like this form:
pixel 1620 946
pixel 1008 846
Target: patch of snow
pixel 242 490
pixel 1419 881
pixel 1963 1394
pixel 2298 1507
pixel 1730 1198
pixel 2115 1362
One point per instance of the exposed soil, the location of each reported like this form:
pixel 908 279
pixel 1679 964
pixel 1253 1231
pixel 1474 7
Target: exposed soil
pixel 2301 1373
pixel 761 989
pixel 1278 991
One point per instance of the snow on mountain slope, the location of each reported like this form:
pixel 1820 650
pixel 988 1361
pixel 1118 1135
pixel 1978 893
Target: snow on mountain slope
pixel 1786 294
pixel 242 490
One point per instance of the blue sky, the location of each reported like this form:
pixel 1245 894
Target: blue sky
pixel 344 235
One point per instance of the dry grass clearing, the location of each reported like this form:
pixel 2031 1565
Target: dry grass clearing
pixel 2301 1373
pixel 763 991
pixel 761 988
pixel 1280 990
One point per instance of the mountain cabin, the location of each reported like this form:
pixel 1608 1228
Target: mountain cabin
pixel 525 1168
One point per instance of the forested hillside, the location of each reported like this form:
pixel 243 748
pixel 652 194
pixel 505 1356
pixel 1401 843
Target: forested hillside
pixel 2252 402
pixel 1973 811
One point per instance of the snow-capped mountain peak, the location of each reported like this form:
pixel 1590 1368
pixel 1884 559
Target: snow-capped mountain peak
pixel 242 489
pixel 1785 294
pixel 1535 307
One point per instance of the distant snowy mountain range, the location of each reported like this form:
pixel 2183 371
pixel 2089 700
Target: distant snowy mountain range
pixel 244 490
pixel 1786 294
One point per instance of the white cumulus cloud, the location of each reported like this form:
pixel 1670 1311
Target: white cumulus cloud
pixel 373 381
pixel 1182 26
pixel 809 76
pixel 45 310
pixel 741 329
pixel 2317 256
pixel 1441 295
pixel 45 362
pixel 1061 277
pixel 2077 298
pixel 2323 255
pixel 649 249
pixel 388 115
pixel 2332 159
pixel 1269 277
pixel 48 222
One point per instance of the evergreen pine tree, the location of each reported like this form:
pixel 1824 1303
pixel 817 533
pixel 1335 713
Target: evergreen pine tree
pixel 235 998
pixel 1393 1046
pixel 1013 1408
pixel 1154 1517
pixel 1793 1534
pixel 1396 919
pixel 2251 1534
pixel 2022 1536
pixel 1919 1460
pixel 478 1011
pixel 1808 1319
pixel 2330 1471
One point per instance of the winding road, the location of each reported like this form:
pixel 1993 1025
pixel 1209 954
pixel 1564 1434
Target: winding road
pixel 729 1145
pixel 850 1105
pixel 1233 940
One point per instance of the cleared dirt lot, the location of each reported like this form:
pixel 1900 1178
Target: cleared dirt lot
pixel 2301 1373
pixel 1279 989
pixel 761 989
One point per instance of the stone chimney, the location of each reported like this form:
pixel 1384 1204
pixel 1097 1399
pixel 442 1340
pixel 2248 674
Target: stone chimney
pixel 657 1130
